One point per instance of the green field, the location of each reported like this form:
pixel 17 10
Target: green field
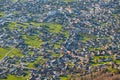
pixel 32 41
pixel 54 28
pixel 12 77
pixel 38 60
pixel 15 52
pixel 67 0
pixel 4 51
pixel 1 14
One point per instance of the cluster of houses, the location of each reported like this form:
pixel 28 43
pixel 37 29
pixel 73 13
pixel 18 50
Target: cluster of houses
pixel 93 29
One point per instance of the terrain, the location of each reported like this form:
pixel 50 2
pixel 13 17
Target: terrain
pixel 59 39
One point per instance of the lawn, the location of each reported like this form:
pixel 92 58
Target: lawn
pixel 11 25
pixel 96 58
pixel 39 60
pixel 15 25
pixel 14 0
pixel 32 41
pixel 66 34
pixel 53 28
pixel 95 49
pixel 15 52
pixel 56 55
pixel 12 77
pixel 63 78
pixel 1 14
pixel 96 64
pixel 67 0
pixel 86 37
pixel 3 51
pixel 117 61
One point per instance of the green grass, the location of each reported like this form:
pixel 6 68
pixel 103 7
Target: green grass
pixel 15 52
pixel 23 25
pixel 39 60
pixel 99 63
pixel 63 78
pixel 56 55
pixel 3 51
pixel 12 77
pixel 96 58
pixel 56 46
pixel 1 14
pixel 32 41
pixel 17 0
pixel 117 61
pixel 11 25
pixel 65 33
pixel 104 24
pixel 14 0
pixel 95 49
pixel 14 25
pixel 112 70
pixel 67 0
pixel 86 37
pixel 53 28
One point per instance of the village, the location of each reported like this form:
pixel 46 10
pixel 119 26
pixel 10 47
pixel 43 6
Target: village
pixel 53 39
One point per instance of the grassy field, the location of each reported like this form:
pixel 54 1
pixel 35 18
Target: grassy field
pixel 95 49
pixel 67 0
pixel 117 61
pixel 32 41
pixel 1 14
pixel 12 77
pixel 63 78
pixel 15 25
pixel 39 60
pixel 56 55
pixel 15 52
pixel 96 58
pixel 14 0
pixel 3 52
pixel 11 25
pixel 53 28
pixel 86 37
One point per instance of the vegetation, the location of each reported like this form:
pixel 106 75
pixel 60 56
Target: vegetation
pixel 54 28
pixel 3 51
pixel 38 61
pixel 32 41
pixel 11 25
pixel 15 52
pixel 67 0
pixel 14 0
pixel 87 37
pixel 56 55
pixel 12 77
pixel 1 14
